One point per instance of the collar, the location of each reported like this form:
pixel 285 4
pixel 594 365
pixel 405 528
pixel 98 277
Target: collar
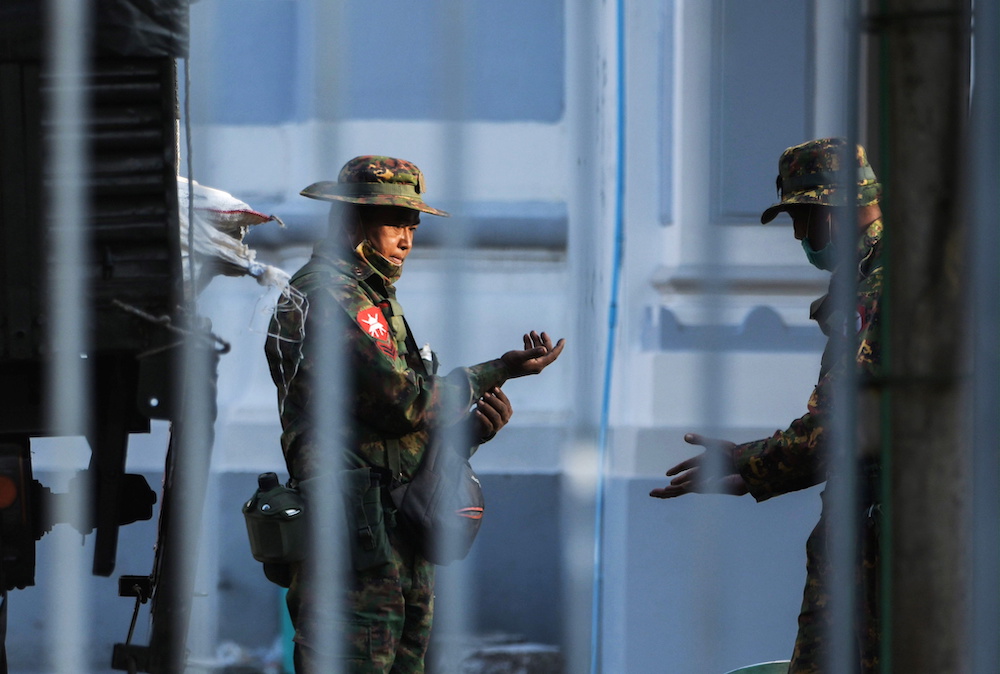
pixel 870 249
pixel 388 271
pixel 362 262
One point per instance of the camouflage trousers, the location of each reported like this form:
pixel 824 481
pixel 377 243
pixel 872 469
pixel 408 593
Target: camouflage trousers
pixel 384 622
pixel 811 654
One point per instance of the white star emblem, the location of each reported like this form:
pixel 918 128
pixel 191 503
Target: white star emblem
pixel 375 327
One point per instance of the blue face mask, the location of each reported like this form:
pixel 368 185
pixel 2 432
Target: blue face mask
pixel 821 259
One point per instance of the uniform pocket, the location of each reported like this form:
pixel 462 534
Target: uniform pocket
pixel 357 641
pixel 352 643
pixel 368 539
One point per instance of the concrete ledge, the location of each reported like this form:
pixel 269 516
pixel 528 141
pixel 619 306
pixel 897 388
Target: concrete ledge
pixel 741 280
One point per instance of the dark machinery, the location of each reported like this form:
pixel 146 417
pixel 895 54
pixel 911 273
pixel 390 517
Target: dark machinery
pixel 136 342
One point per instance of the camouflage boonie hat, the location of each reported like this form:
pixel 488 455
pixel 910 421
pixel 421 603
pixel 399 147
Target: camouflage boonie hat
pixel 376 180
pixel 807 174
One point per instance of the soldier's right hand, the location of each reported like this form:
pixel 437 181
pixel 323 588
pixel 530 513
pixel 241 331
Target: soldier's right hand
pixel 538 354
pixel 711 472
pixel 491 413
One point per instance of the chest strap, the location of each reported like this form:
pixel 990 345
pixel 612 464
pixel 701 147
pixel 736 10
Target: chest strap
pixel 393 462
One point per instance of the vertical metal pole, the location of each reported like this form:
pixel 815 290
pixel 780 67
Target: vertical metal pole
pixel 67 380
pixel 843 520
pixel 607 380
pixel 185 485
pixel 331 46
pixel 927 94
pixel 328 559
pixel 713 257
pixel 984 322
pixel 588 253
pixel 703 244
pixel 453 602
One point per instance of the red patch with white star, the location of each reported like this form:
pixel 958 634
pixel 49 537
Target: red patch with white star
pixel 374 324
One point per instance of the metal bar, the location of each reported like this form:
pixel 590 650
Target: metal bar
pixel 927 93
pixel 329 33
pixel 67 375
pixel 620 150
pixel 185 485
pixel 840 497
pixel 587 48
pixel 452 624
pixel 984 197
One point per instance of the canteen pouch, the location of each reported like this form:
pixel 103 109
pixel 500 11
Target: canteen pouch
pixel 276 526
pixel 363 516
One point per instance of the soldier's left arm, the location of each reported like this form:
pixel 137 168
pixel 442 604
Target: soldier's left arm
pixel 796 458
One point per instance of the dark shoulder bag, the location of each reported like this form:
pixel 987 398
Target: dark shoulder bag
pixel 442 507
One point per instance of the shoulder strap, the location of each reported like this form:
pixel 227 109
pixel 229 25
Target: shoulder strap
pixel 393 312
pixel 392 460
pixel 406 342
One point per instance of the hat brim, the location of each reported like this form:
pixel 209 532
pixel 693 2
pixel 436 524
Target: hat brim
pixel 323 192
pixel 868 193
pixel 808 199
pixel 771 213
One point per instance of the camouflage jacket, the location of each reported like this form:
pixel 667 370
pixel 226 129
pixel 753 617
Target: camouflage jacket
pixel 796 457
pixel 389 394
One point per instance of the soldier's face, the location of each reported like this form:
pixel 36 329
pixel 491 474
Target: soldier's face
pixel 814 223
pixel 390 230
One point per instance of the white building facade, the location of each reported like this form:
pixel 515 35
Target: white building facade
pixel 607 164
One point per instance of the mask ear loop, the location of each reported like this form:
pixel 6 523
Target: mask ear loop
pixel 827 215
pixel 829 226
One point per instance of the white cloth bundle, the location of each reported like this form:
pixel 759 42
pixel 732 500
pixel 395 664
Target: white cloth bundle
pixel 220 223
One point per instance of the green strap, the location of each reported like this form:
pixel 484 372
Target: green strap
pixel 392 459
pixel 405 344
pixel 411 345
pixel 396 321
pixel 405 341
pixel 399 327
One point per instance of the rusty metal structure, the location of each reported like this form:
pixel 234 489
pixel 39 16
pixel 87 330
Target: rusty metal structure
pixel 137 324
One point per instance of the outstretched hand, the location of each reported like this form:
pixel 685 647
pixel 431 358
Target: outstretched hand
pixel 492 412
pixel 538 354
pixel 711 472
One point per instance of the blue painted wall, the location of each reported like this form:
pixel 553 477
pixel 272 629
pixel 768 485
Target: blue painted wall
pixel 256 72
pixel 763 84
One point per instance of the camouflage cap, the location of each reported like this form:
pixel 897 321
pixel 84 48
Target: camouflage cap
pixel 808 174
pixel 377 180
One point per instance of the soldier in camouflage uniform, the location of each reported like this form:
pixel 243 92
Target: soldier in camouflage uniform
pixel 798 457
pixel 396 404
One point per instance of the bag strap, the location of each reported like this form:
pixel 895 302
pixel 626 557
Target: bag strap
pixel 398 322
pixel 406 344
pixel 392 461
pixel 393 312
pixel 392 444
pixel 411 345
